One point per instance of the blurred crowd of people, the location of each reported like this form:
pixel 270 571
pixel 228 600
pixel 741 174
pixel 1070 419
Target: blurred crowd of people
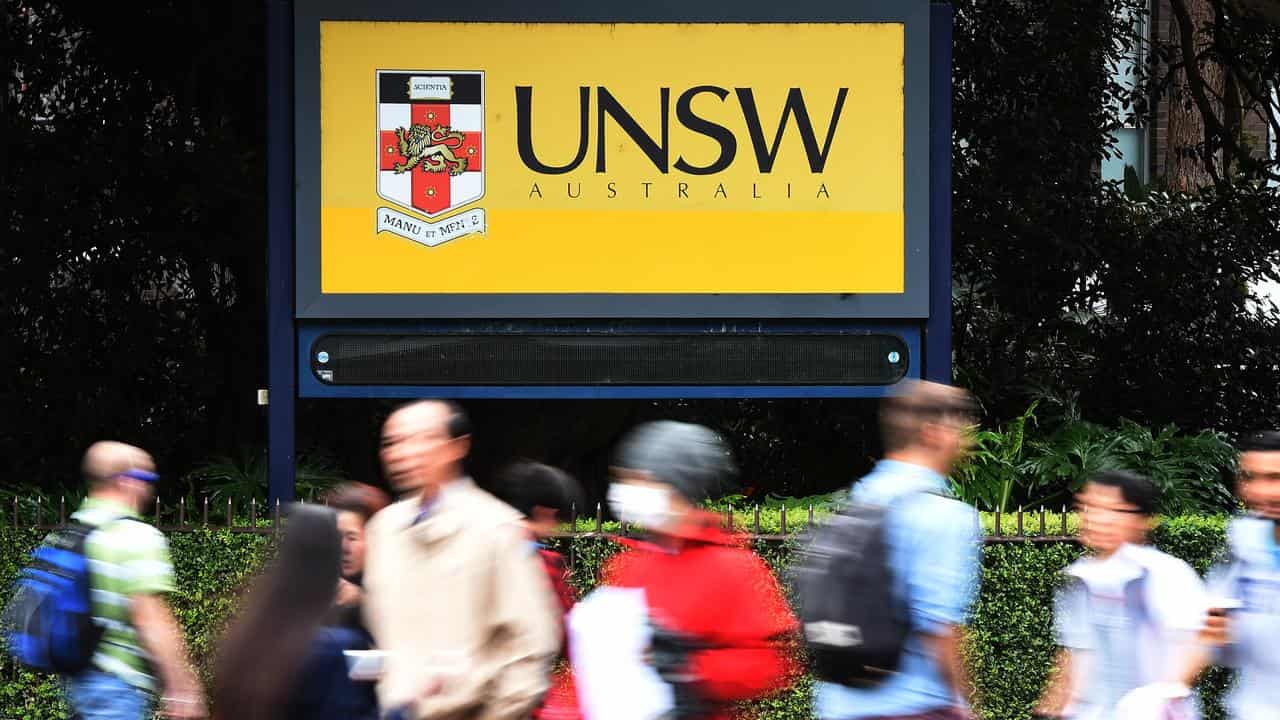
pixel 450 603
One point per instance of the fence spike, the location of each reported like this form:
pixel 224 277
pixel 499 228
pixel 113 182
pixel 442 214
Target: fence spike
pixel 275 521
pixel 15 512
pixel 1019 521
pixel 728 517
pixel 229 517
pixel 182 511
pixel 157 511
pixel 253 512
pixel 205 517
pixel 62 510
pixel 783 525
pixel 600 519
pixel 39 512
pixel 1064 521
pixel 1041 521
pixel 757 519
pixel 810 514
pixel 997 523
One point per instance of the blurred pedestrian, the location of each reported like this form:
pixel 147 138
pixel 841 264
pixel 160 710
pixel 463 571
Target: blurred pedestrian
pixel 1243 628
pixel 453 590
pixel 932 546
pixel 721 629
pixel 130 575
pixel 279 660
pixel 546 496
pixel 1127 620
pixel 354 504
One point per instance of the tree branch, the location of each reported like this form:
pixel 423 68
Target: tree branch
pixel 1258 97
pixel 1195 82
pixel 1215 127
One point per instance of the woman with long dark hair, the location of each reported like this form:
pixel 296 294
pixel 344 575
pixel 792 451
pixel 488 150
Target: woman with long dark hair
pixel 278 660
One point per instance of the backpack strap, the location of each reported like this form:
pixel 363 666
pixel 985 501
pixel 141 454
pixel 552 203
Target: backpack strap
pixel 102 526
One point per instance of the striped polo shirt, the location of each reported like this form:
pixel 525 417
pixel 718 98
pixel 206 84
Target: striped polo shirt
pixel 127 558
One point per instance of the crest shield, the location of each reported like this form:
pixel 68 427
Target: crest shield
pixel 430 150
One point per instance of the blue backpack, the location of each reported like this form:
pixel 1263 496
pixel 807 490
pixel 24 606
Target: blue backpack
pixel 48 624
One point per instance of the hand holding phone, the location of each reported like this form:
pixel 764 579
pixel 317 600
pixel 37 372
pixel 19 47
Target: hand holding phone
pixel 1217 627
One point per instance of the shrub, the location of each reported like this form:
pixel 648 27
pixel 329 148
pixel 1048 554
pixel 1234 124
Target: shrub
pixel 244 476
pixel 1027 464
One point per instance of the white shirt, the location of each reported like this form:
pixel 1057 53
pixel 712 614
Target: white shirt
pixel 1129 620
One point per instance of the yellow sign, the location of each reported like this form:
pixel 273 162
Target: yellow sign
pixel 629 158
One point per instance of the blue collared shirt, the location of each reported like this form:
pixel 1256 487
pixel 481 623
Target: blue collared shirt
pixel 934 553
pixel 1254 579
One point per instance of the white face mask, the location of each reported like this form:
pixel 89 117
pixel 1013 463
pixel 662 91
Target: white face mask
pixel 648 507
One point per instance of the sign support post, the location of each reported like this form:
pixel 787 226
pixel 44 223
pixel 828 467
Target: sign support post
pixel 937 343
pixel 281 381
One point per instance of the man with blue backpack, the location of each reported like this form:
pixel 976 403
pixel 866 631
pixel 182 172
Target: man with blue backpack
pixel 885 588
pixel 91 607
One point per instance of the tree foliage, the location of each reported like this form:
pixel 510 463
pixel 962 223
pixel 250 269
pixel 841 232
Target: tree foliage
pixel 1145 303
pixel 1217 67
pixel 131 269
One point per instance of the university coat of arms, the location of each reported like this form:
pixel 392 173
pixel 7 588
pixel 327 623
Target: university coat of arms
pixel 430 153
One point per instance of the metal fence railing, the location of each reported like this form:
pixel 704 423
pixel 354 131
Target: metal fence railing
pixel 176 517
pixel 258 518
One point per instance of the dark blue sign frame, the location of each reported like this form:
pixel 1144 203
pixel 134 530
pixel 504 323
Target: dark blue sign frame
pixel 296 314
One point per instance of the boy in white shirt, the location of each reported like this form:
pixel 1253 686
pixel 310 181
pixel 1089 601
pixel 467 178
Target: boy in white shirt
pixel 1129 614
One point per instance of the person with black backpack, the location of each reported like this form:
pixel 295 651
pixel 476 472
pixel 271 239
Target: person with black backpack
pixel 91 607
pixel 885 588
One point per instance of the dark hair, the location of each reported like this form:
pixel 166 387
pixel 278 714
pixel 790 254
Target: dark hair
pixel 1136 490
pixel 459 424
pixel 525 485
pixel 693 460
pixel 1264 441
pixel 359 498
pixel 264 649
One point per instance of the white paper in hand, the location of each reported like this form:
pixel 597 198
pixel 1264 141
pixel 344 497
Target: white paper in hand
pixel 1159 701
pixel 609 636
pixel 365 665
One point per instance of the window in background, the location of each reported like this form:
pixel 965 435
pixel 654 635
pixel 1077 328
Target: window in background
pixel 1131 140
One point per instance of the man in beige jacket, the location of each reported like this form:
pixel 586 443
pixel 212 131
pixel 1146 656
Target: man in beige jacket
pixel 454 590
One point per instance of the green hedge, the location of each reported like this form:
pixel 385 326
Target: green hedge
pixel 1010 647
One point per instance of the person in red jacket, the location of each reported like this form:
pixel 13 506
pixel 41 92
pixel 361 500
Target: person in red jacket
pixel 722 629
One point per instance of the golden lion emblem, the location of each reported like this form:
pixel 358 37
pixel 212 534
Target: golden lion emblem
pixel 432 148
